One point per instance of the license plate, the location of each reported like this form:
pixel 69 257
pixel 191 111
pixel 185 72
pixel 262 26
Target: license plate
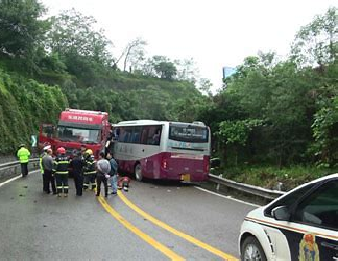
pixel 185 177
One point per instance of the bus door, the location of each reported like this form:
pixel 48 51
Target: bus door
pixel 151 135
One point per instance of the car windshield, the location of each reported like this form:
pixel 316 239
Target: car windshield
pixel 76 134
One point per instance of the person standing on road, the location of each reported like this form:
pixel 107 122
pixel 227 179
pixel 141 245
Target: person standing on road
pixel 89 171
pixel 61 164
pixel 113 172
pixel 44 153
pixel 103 170
pixel 76 164
pixel 83 150
pixel 47 166
pixel 23 155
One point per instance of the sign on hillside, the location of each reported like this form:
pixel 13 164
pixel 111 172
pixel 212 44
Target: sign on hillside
pixel 34 140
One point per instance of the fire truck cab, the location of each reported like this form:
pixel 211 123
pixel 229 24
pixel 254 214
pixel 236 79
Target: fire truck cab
pixel 76 128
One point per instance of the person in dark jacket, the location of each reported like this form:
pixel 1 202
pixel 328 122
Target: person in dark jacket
pixel 76 166
pixel 47 166
pixel 61 164
pixel 113 172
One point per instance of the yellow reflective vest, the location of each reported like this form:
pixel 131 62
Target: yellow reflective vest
pixel 23 155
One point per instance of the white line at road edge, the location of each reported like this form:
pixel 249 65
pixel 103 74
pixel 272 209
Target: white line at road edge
pixel 227 197
pixel 15 178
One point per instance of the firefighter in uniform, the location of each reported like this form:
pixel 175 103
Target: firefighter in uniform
pixel 89 171
pixel 61 164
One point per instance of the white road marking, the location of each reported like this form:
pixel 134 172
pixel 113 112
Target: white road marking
pixel 15 178
pixel 227 197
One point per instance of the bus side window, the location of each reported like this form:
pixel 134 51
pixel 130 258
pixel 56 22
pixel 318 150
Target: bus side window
pixel 151 132
pixel 136 135
pixel 144 135
pixel 157 136
pixel 121 136
pixel 129 137
pixel 126 137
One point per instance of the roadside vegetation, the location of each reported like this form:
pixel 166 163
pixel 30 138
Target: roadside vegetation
pixel 272 177
pixel 274 120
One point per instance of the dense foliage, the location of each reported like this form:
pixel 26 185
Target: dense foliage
pixel 294 101
pixel 24 105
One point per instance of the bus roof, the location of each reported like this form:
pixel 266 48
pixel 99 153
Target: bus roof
pixel 154 122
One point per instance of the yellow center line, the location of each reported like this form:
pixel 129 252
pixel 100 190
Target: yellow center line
pixel 169 253
pixel 175 231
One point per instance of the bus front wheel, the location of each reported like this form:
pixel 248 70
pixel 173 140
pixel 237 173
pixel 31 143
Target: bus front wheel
pixel 138 172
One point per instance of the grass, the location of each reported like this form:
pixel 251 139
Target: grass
pixel 271 176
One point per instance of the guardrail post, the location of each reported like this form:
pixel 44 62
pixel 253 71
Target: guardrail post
pixel 218 184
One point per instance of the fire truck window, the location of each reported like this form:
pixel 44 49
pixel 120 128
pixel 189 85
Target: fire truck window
pixel 48 131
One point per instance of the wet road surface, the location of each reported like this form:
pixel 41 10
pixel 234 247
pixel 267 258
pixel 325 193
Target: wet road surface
pixel 153 221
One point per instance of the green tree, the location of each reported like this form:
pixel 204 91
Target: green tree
pixel 316 43
pixel 77 44
pixel 133 54
pixel 325 129
pixel 72 32
pixel 22 31
pixel 237 132
pixel 163 67
pixel 205 86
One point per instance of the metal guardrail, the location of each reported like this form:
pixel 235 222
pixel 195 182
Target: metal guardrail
pixel 14 163
pixel 11 169
pixel 249 189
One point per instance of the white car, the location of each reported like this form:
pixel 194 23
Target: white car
pixel 300 225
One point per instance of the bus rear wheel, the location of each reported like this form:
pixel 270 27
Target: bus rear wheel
pixel 138 172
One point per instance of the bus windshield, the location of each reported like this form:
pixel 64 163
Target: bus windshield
pixel 65 133
pixel 188 133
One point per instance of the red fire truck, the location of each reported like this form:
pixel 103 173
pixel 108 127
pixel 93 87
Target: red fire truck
pixel 76 128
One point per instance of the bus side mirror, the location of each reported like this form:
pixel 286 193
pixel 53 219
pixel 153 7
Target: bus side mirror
pixel 215 163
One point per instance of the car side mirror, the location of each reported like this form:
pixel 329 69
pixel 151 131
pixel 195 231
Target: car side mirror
pixel 281 213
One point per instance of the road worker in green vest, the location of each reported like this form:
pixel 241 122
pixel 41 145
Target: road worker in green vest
pixel 23 154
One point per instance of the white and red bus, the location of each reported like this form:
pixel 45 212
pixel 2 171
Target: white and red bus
pixel 163 150
pixel 77 128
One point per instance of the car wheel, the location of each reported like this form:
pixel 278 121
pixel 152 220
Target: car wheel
pixel 138 172
pixel 251 250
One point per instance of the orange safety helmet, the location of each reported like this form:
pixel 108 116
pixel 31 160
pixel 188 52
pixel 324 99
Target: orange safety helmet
pixel 61 150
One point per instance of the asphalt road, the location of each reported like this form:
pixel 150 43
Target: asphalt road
pixel 153 221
